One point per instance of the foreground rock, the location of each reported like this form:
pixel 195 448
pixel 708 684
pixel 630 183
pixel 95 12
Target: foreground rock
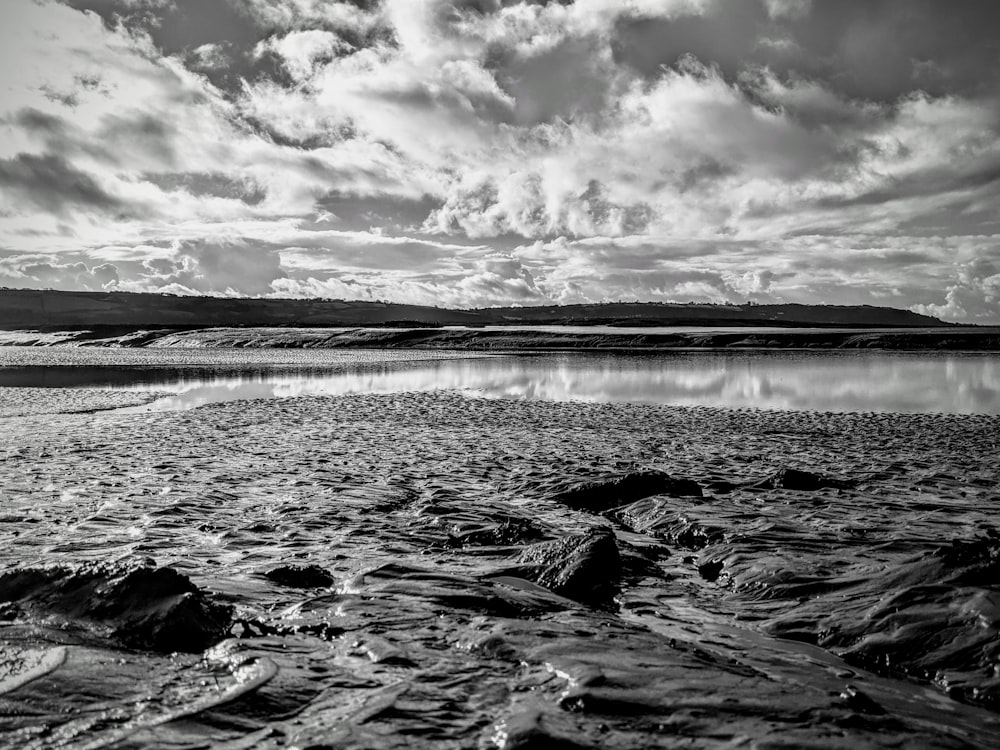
pixel 145 607
pixel 585 568
pixel 300 576
pixel 600 495
pixel 804 481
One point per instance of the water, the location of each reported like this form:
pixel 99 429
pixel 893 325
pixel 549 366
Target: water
pixel 395 562
pixel 820 381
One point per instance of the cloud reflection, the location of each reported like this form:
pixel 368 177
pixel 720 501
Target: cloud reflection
pixel 884 382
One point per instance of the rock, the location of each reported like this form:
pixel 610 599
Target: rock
pixel 301 576
pixel 585 568
pixel 145 607
pixel 527 730
pixel 600 495
pixel 660 518
pixel 805 481
pixel 861 702
pixel 508 532
pixel 711 570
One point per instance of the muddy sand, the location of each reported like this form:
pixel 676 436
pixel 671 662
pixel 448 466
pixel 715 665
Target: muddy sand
pixel 953 338
pixel 431 570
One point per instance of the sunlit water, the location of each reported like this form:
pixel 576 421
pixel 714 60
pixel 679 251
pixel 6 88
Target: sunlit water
pixel 817 381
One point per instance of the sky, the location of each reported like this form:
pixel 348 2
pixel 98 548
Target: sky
pixel 470 153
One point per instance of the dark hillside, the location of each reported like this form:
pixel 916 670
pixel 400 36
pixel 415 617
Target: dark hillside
pixel 52 309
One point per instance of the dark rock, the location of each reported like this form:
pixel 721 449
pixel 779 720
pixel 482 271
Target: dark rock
pixel 710 570
pixel 805 481
pixel 146 607
pixel 639 563
pixel 721 486
pixel 600 495
pixel 585 568
pixel 301 576
pixel 451 592
pixel 505 533
pixel 660 518
pixel 860 702
pixel 527 730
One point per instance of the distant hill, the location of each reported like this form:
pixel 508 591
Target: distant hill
pixel 690 314
pixel 21 308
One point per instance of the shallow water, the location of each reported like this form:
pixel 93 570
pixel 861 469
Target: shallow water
pixel 860 609
pixel 820 381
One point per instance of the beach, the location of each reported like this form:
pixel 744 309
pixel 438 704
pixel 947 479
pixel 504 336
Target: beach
pixel 439 570
pixel 513 338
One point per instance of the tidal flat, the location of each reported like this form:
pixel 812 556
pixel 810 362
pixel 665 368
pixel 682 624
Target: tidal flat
pixel 442 569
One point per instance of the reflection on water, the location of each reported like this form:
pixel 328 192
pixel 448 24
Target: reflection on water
pixel 823 381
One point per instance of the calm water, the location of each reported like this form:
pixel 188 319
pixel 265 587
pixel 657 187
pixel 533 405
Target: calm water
pixel 821 381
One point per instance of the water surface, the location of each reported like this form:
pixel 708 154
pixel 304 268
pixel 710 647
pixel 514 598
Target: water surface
pixel 815 381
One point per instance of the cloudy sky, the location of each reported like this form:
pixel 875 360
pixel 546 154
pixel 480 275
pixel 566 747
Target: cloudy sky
pixel 484 152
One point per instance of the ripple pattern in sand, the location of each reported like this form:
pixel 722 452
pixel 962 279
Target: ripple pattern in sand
pixel 419 506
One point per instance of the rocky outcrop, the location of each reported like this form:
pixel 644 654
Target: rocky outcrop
pixel 509 531
pixel 300 576
pixel 600 495
pixel 585 568
pixel 805 481
pixel 145 607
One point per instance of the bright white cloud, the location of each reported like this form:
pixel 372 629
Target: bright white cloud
pixel 548 167
pixel 301 51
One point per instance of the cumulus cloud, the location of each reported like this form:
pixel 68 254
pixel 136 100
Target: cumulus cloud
pixel 974 294
pixel 302 51
pixel 788 8
pixel 44 272
pixel 484 152
pixel 232 267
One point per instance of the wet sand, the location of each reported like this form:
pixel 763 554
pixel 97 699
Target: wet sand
pixel 429 570
pixel 517 339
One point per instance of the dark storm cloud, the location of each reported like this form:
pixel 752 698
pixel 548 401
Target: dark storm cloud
pixel 140 132
pixel 362 212
pixel 219 38
pixel 54 130
pixel 178 25
pixel 119 140
pixel 52 184
pixel 208 184
pixel 928 183
pixel 182 27
pixel 869 49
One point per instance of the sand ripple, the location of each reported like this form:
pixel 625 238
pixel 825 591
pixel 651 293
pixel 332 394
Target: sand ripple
pixel 754 615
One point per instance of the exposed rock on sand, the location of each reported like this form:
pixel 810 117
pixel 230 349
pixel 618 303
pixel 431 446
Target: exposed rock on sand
pixel 662 519
pixel 145 607
pixel 509 531
pixel 300 576
pixel 603 494
pixel 584 568
pixel 528 730
pixel 806 481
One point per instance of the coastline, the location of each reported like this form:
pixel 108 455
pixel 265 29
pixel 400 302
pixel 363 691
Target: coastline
pixel 514 340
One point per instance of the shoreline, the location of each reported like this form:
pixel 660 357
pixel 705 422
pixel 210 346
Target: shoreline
pixel 516 340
